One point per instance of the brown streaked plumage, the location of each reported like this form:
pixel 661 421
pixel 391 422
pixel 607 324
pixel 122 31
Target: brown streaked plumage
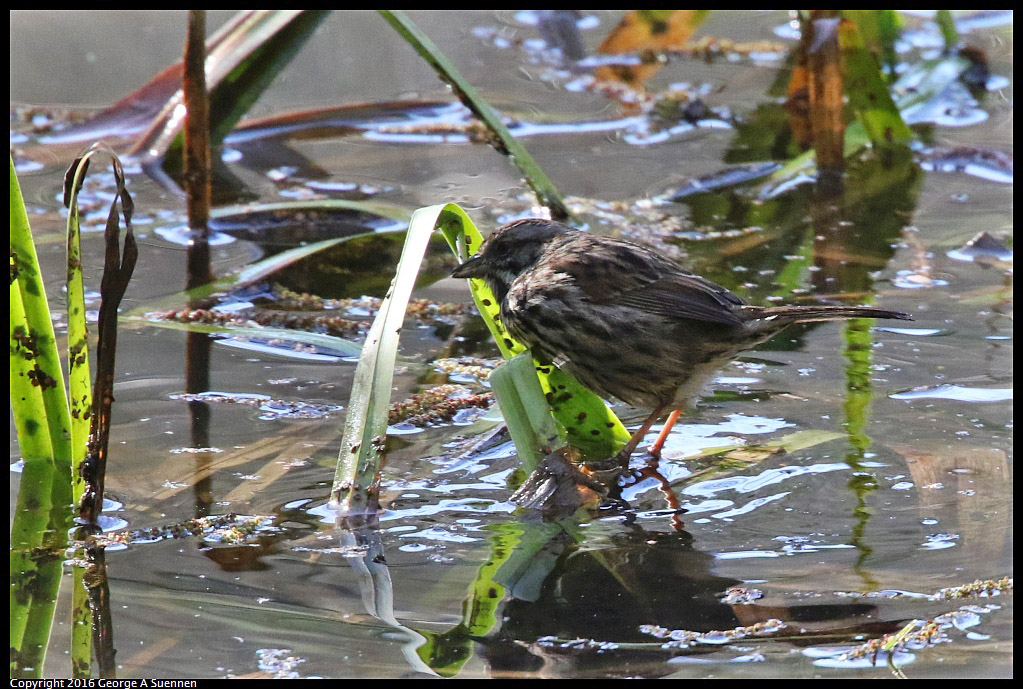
pixel 625 321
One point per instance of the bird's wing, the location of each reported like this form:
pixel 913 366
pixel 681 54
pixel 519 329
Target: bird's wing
pixel 633 276
pixel 687 297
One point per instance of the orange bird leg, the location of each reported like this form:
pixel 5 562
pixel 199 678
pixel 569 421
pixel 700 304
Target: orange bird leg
pixel 637 437
pixel 655 449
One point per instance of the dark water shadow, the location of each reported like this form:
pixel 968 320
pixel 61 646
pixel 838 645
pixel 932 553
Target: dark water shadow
pixel 607 592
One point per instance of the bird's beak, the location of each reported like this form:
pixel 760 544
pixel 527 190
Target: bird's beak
pixel 473 268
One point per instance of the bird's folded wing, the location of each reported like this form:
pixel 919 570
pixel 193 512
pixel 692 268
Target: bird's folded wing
pixel 656 285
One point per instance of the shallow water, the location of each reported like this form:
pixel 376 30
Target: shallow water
pixel 907 487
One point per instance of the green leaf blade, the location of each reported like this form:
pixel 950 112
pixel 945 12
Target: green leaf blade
pixel 356 478
pixel 79 377
pixel 43 423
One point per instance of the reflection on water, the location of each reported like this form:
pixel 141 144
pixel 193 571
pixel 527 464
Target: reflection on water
pixel 956 392
pixel 837 458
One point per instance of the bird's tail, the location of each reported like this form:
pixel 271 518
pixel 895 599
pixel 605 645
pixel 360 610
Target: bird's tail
pixel 783 315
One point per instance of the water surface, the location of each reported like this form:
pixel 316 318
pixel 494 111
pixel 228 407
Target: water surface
pixel 910 491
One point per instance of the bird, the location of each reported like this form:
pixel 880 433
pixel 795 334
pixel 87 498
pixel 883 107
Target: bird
pixel 627 322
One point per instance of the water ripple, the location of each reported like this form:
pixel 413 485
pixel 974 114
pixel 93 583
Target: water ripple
pixel 958 393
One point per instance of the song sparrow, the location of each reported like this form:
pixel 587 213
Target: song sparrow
pixel 625 321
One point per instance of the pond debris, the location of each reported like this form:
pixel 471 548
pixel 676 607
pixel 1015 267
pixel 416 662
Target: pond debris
pixel 977 589
pixel 653 222
pixel 708 48
pixel 656 111
pixel 675 639
pixel 118 267
pixel 329 325
pixel 289 300
pixel 272 409
pixel 293 312
pixel 890 647
pixel 576 644
pixel 466 368
pixel 916 635
pixel 919 275
pixel 723 179
pixel 984 250
pixel 196 451
pixel 559 30
pixel 473 131
pixel 219 529
pixel 40 119
pixel 276 663
pixel 702 48
pixel 639 221
pixel 740 595
pixel 986 163
pixel 353 307
pixel 987 588
pixel 683 638
pixel 437 405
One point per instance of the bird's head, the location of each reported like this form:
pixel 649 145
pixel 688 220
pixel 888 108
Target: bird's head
pixel 510 251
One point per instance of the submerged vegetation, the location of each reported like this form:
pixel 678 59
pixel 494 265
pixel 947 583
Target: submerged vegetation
pixel 811 201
